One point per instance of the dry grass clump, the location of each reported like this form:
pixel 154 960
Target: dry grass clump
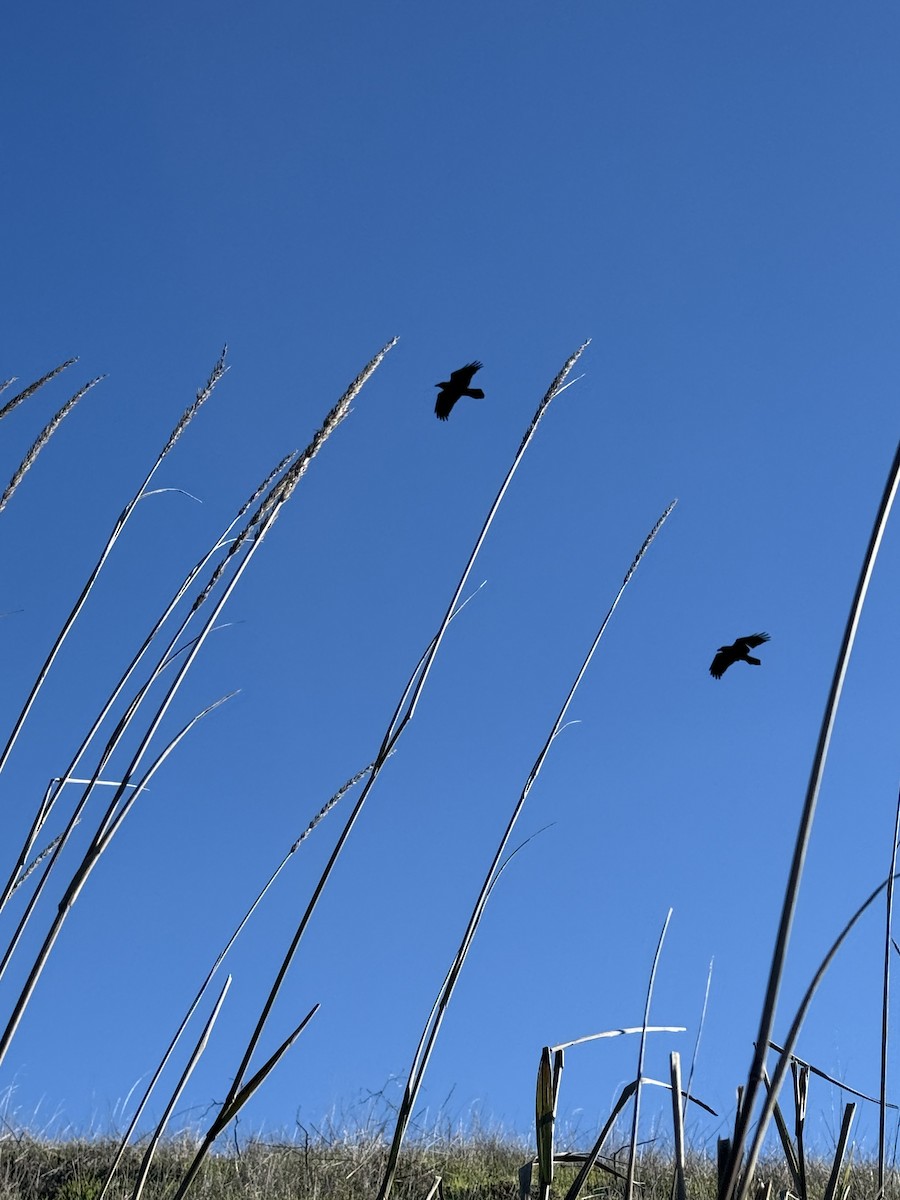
pixel 350 1166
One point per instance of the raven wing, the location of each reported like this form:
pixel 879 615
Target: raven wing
pixel 725 656
pixel 462 376
pixel 753 640
pixel 445 401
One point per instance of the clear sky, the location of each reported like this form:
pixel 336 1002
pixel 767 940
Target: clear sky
pixel 708 191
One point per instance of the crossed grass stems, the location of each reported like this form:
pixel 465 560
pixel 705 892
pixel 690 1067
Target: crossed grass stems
pixel 210 582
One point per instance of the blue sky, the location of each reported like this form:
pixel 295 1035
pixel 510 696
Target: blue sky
pixel 709 192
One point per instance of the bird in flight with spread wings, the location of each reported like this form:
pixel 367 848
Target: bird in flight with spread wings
pixel 739 651
pixel 454 387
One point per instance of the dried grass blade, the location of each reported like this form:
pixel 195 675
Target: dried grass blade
pixel 792 890
pixel 433 1025
pixel 42 439
pixel 678 1188
pixel 784 1135
pixel 839 1153
pixel 259 524
pixel 195 1003
pixel 646 1081
pixel 525 1172
pixel 886 1005
pixel 594 1153
pixel 632 1152
pixel 101 839
pixel 700 1026
pixel 202 396
pixel 33 387
pixel 235 1101
pixel 149 1152
pixel 790 1043
pixel 845 1087
pixel 800 1076
pixel 723 1159
pixel 53 794
pixel 608 1033
pixel 548 1083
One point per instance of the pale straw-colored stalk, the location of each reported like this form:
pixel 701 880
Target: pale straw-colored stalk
pixel 42 439
pixel 840 1151
pixel 32 387
pixel 401 717
pixel 784 1134
pixel 202 396
pixel 188 1071
pixel 237 1100
pixel 885 1006
pixel 792 891
pixel 742 1189
pixel 695 1053
pixel 108 828
pixel 639 1074
pixel 220 958
pixel 114 815
pixel 17 876
pixel 259 523
pixel 594 1153
pixel 432 1027
pixel 679 1191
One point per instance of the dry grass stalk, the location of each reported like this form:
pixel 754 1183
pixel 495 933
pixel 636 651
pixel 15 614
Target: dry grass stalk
pixel 42 439
pixel 546 1100
pixel 790 1154
pixel 723 1159
pixel 581 1178
pixel 800 1077
pixel 101 840
pixel 192 1007
pixel 831 1189
pixel 679 1191
pixel 642 1044
pixel 237 1099
pixel 839 1083
pixel 260 524
pixel 19 872
pixel 32 388
pixel 792 891
pixel 435 1019
pixel 192 651
pixel 266 514
pixel 789 1044
pixel 886 1004
pixel 179 1088
pixel 608 1033
pixel 202 395
pixel 700 1024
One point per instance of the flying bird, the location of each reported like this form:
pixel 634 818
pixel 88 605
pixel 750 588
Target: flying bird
pixel 454 387
pixel 739 651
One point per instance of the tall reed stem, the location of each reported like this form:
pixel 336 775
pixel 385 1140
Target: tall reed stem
pixel 767 1018
pixel 435 1019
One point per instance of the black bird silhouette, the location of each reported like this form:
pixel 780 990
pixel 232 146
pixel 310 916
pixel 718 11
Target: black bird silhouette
pixel 739 651
pixel 454 387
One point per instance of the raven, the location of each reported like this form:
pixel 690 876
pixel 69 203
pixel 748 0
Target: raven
pixel 454 387
pixel 739 651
